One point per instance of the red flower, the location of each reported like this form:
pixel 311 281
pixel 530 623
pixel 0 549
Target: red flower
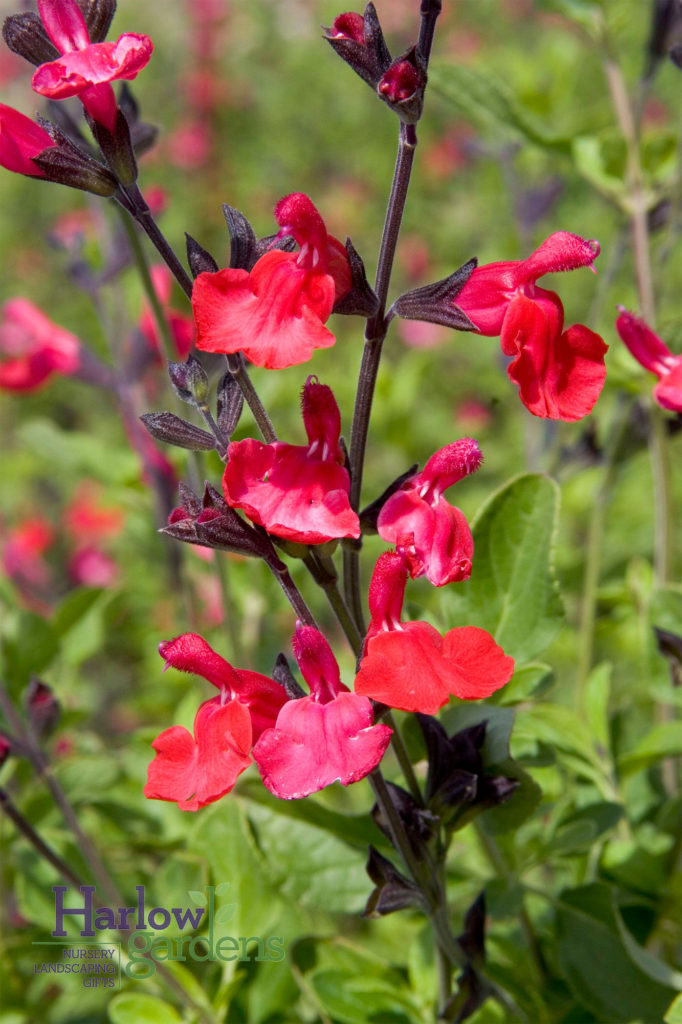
pixel 275 314
pixel 655 356
pixel 559 373
pixel 433 536
pixel 196 770
pixel 298 492
pixel 86 69
pixel 326 737
pixel 181 326
pixel 21 139
pixel 34 347
pixel 409 665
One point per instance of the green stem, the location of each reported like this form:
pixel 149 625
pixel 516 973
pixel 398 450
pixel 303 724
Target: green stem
pixel 400 751
pixel 664 510
pixel 595 543
pixel 494 854
pixel 142 267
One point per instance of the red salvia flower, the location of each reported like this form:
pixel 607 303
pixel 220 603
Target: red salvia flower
pixel 409 665
pixel 559 373
pixel 433 536
pixel 21 139
pixel 654 355
pixel 196 770
pixel 275 314
pixel 87 69
pixel 297 492
pixel 326 737
pixel 34 348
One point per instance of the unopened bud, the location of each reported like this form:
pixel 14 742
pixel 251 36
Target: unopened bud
pixel 25 36
pixel 402 86
pixel 190 381
pixel 167 427
pixel 42 707
pixel 359 41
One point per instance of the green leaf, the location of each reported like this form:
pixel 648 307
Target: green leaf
pixel 673 1014
pixel 489 102
pixel 75 607
pixel 357 830
pixel 223 837
pixel 134 1008
pixel 309 865
pixel 529 680
pixel 199 899
pixel 597 695
pixel 664 740
pixel 597 964
pixel 591 162
pixel 29 649
pixel 513 591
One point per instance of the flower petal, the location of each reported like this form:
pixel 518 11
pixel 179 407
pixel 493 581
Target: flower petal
pixel 275 314
pixel 481 664
pixel 196 771
pixel 313 745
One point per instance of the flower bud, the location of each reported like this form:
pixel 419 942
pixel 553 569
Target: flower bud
pixel 98 16
pixel 25 36
pixel 42 150
pixel 359 41
pixel 190 381
pixel 42 707
pixel 402 86
pixel 167 427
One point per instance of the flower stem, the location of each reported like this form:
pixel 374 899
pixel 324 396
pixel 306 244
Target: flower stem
pixel 27 830
pixel 237 367
pixel 148 285
pixel 134 202
pixel 595 542
pixel 39 760
pixel 375 333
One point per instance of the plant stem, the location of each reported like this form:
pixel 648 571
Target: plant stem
pixel 133 201
pixel 664 509
pixel 494 854
pixel 374 338
pixel 595 543
pixel 27 830
pixel 237 367
pixel 400 751
pixel 323 571
pixel 39 760
pixel 143 270
pixel 293 595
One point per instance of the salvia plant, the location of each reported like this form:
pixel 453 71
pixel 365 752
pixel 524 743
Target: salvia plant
pixel 532 872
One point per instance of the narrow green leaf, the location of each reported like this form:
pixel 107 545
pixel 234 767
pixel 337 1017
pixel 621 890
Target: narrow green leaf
pixel 489 102
pixel 664 740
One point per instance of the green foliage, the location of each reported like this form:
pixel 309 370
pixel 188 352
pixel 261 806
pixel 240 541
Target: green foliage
pixel 580 866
